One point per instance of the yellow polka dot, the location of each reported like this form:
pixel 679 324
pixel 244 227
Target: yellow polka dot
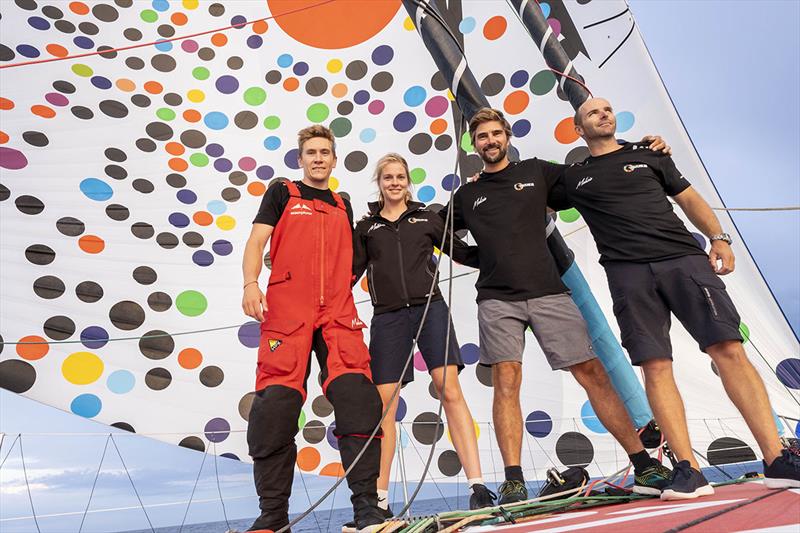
pixel 226 222
pixel 82 368
pixel 333 184
pixel 475 426
pixel 334 65
pixel 196 95
pixel 408 24
pixel 450 95
pixel 191 4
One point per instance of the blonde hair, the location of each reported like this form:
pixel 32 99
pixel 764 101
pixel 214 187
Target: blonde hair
pixel 391 157
pixel 487 114
pixel 315 131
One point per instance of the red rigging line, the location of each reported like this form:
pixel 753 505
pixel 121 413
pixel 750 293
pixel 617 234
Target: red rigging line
pixel 576 80
pixel 171 39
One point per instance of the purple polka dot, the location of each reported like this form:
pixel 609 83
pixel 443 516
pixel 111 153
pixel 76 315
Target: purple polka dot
pixel 223 165
pixel 247 164
pixel 382 54
pixel 215 150
pixel 250 334
pixel 402 409
pixel 361 97
pixel 556 25
pixel 190 46
pixel 419 362
pixel 521 128
pixel 217 429
pixel 376 107
pixel 519 78
pixel 185 196
pixel 538 424
pixel 56 99
pixel 179 220
pixel 701 240
pixel 12 159
pixel 300 68
pixel 94 337
pixel 238 21
pixel 227 84
pixel 229 455
pixel 27 50
pixel 100 82
pixel 222 247
pixel 788 372
pixel 265 172
pixel 470 353
pixel 81 41
pixel 404 121
pixel 202 258
pixel 436 106
pixel 255 41
pixel 290 159
pixel 450 182
pixel 332 440
pixel 38 23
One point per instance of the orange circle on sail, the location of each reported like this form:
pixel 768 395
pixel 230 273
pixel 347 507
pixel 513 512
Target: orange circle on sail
pixel 179 19
pixel 153 87
pixel 256 188
pixel 308 459
pixel 56 50
pixel 192 115
pixel 177 164
pixel 364 284
pixel 438 126
pixel 516 102
pixel 6 104
pixel 260 26
pixel 43 111
pixel 91 244
pixel 3 137
pixel 332 25
pixel 32 352
pixel 203 218
pixel 190 358
pixel 565 131
pixel 174 148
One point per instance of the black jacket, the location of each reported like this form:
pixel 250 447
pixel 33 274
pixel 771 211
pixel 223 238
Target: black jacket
pixel 398 256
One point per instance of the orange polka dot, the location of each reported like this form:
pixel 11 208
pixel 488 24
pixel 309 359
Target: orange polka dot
pixel 56 50
pixel 260 26
pixel 153 87
pixel 291 84
pixel 516 102
pixel 32 352
pixel 219 39
pixel 124 84
pixel 191 115
pixel 3 137
pixel 339 90
pixel 256 188
pixel 565 131
pixel 179 19
pixel 91 244
pixel 332 470
pixel 495 28
pixel 364 284
pixel 438 126
pixel 43 111
pixel 178 164
pixel 79 8
pixel 308 458
pixel 190 358
pixel 203 218
pixel 6 104
pixel 174 148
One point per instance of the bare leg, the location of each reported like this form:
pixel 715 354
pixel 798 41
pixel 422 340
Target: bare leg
pixel 389 434
pixel 459 418
pixel 506 411
pixel 746 390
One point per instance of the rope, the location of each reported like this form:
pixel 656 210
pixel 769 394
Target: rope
pixel 219 488
pixel 13 443
pixel 132 484
pixel 308 497
pixel 94 484
pixel 194 487
pixel 28 485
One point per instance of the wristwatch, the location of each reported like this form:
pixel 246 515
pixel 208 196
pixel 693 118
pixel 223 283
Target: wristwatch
pixel 721 237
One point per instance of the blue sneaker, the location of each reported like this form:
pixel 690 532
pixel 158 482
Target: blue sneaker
pixel 784 472
pixel 687 484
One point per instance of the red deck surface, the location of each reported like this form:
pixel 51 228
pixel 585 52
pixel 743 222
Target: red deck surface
pixel 778 512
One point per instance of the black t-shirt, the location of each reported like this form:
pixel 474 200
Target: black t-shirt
pixel 277 196
pixel 622 196
pixel 505 212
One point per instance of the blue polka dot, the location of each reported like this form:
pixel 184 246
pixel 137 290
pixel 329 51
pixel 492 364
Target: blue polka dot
pixel 450 182
pixel 216 120
pixel 701 240
pixel 625 121
pixel 94 337
pixel 402 409
pixel 86 405
pixel 545 9
pixel 27 50
pixel 100 82
pixel 788 372
pixel 519 78
pixel 290 159
pixel 367 135
pixel 163 46
pixel 590 419
pixel 96 189
pixel 84 42
pixel 521 128
pixel 300 68
pixel 39 23
pixel 405 121
pixel 238 21
pixel 216 207
pixel 120 382
pixel 332 440
pixel 227 84
pixel 284 60
pixel 539 424
pixel 426 193
pixel 179 220
pixel 467 25
pixel 414 96
pixel 185 196
pixel 382 54
pixel 272 142
pixel 222 247
pixel 255 41
pixel 470 353
pixel 797 430
pixel 202 258
pixel 361 97
pixel 160 5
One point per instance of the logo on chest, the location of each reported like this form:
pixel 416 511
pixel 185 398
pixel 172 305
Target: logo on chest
pixel 583 182
pixel 521 186
pixel 478 201
pixel 413 220
pixel 376 226
pixel 631 168
pixel 301 209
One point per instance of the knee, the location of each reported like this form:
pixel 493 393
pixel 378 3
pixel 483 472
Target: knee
pixel 657 369
pixel 452 392
pixel 590 372
pixel 726 351
pixel 357 406
pixel 506 380
pixel 272 423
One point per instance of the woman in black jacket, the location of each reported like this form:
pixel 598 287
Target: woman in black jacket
pixel 394 244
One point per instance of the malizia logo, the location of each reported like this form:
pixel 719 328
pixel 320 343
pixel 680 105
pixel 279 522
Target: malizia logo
pixel 300 209
pixel 413 220
pixel 520 186
pixel 583 182
pixel 631 168
pixel 375 226
pixel 356 323
pixel 478 202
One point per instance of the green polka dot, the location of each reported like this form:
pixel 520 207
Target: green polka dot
pixel 201 73
pixel 165 113
pixel 542 82
pixel 301 420
pixel 82 70
pixel 199 159
pixel 191 303
pixel 466 143
pixel 148 15
pixel 341 126
pixel 317 112
pixel 255 96
pixel 272 122
pixel 569 215
pixel 745 331
pixel 418 175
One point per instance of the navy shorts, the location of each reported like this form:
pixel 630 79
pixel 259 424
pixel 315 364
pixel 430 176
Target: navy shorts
pixel 644 294
pixel 392 335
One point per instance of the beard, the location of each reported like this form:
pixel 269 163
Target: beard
pixel 501 153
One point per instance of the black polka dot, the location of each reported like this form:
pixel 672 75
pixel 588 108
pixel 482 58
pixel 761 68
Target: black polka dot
pixel 345 107
pixel 124 426
pixel 493 84
pixel 356 70
pixel 115 154
pixel 167 240
pixel 382 81
pixel 132 34
pixel 206 53
pixel 59 327
pixel 438 83
pixel 48 287
pixel 574 449
pixel 176 180
pixel 117 212
pixel 107 52
pixel 216 10
pixel 40 254
pixel 29 205
pixel 163 63
pixel 35 138
pixel 64 26
pixel 237 177
pixel 52 12
pixel 484 375
pixel 448 463
pixel 246 120
pixel 146 145
pixel 16 375
pixel 156 344
pixel 88 28
pixel 28 5
pixel 355 161
pixel 443 142
pixel 273 77
pixel 420 143
pixel 159 301
pixel 165 30
pixel 245 404
pixel 63 87
pixel 728 450
pixel 5 194
pixel 126 315
pixel 211 376
pixel 425 428
pixel 235 62
pixel 142 230
pixel 70 226
pixel 143 186
pixel 173 99
pixel 192 239
pixel 193 443
pixel 432 390
pixel 123 3
pixel 134 63
pixel 158 378
pixel 159 131
pixel 576 155
pixel 471 165
pixel 88 291
pixel 116 172
pixel 314 431
pixel 230 194
pixel 81 112
pixel 144 275
pixel 193 139
pixel 140 100
pixel 113 109
pixel 321 406
pixel 6 53
pixel 316 86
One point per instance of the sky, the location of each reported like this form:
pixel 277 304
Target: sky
pixel 716 58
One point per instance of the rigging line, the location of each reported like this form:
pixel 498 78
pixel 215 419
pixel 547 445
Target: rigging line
pixel 159 41
pixel 593 24
pixel 132 484
pixel 333 503
pixel 308 497
pixel 94 484
pixel 491 453
pixel 736 434
pixel 433 479
pixel 191 496
pixel 633 26
pixel 530 450
pixel 727 475
pixel 136 338
pixel 774 371
pixel 219 488
pixel 27 485
pixel 719 512
pixel 13 443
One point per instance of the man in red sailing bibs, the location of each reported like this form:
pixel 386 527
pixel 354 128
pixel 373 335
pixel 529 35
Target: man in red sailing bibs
pixel 308 305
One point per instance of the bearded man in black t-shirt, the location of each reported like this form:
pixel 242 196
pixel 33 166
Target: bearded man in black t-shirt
pixel 656 267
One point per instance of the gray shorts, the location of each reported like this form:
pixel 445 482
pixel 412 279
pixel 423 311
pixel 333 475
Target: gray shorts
pixel 555 320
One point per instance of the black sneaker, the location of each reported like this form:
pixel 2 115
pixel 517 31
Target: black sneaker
pixel 512 491
pixel 481 497
pixel 653 479
pixel 687 483
pixel 784 471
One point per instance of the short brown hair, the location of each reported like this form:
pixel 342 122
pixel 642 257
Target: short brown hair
pixel 391 157
pixel 316 130
pixel 487 114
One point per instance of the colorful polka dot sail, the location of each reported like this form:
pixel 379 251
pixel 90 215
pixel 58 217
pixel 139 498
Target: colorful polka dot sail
pixel 134 154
